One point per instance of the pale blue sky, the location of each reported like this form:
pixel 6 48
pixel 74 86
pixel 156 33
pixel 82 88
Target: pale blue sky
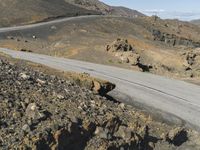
pixel 181 9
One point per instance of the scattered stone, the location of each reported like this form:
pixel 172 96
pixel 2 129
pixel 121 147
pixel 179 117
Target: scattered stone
pixel 48 112
pixel 41 81
pixel 60 96
pixel 24 76
pixel 53 27
pixel 33 113
pixel 25 50
pixel 26 128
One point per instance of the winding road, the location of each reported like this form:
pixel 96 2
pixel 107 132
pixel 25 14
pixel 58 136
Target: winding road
pixel 52 22
pixel 175 101
pixel 172 100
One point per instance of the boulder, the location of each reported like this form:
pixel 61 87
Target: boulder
pixel 24 76
pixel 177 136
pixel 33 113
pixel 119 45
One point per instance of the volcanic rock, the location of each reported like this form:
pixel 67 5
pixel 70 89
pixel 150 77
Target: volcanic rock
pixel 120 45
pixel 56 113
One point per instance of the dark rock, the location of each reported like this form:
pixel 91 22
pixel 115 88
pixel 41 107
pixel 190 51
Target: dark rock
pixel 26 128
pixel 177 136
pixel 26 50
pixel 173 40
pixel 191 58
pixel 120 45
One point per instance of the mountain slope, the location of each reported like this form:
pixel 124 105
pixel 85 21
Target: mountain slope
pixel 106 9
pixel 164 47
pixel 16 12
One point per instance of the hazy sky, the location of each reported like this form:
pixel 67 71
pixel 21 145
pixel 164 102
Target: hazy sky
pixel 181 9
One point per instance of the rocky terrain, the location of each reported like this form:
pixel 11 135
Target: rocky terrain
pixel 158 45
pixel 173 40
pixel 33 11
pixel 45 111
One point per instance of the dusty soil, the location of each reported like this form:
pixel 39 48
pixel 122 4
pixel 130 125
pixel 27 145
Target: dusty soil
pixel 43 110
pixel 162 44
pixel 18 12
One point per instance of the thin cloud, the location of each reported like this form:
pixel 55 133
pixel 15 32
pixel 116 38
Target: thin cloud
pixel 185 16
pixel 154 10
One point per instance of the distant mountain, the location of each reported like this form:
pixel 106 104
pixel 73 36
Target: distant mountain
pixel 125 12
pixel 16 12
pixel 94 5
pixel 197 22
pixel 106 9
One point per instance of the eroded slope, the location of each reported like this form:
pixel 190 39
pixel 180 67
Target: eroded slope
pixel 42 111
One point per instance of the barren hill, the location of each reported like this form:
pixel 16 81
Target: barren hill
pixel 164 47
pixel 15 12
pixel 96 5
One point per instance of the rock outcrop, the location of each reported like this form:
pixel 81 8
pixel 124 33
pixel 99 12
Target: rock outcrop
pixel 173 40
pixel 119 45
pixel 192 62
pixel 126 53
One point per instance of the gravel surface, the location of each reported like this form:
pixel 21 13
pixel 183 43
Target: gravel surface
pixel 42 111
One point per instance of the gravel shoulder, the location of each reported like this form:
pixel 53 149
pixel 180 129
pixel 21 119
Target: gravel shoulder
pixel 42 108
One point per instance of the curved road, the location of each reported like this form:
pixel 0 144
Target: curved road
pixel 17 28
pixel 171 98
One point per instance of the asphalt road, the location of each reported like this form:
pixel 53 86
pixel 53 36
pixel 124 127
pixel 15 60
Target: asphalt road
pixel 17 28
pixel 174 100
